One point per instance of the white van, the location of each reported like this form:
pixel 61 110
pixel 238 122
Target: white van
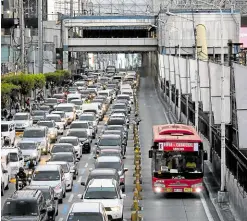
pixel 93 108
pixel 8 130
pixel 13 159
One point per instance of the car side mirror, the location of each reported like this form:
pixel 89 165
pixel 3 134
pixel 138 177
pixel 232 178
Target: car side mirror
pixel 95 157
pixel 124 157
pixel 123 196
pixel 150 153
pixel 77 160
pixel 80 196
pixel 72 171
pixel 96 143
pixel 55 198
pixel 5 171
pixel 21 158
pixel 125 169
pixel 205 155
pixel 83 183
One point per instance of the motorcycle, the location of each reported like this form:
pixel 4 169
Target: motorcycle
pixel 20 184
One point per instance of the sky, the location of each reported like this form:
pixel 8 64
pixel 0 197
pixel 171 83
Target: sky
pixel 243 36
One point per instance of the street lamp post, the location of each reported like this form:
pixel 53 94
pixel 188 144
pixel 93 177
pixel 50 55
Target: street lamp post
pixel 197 69
pixel 222 194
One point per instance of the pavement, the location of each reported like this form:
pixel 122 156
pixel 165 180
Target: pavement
pixel 165 207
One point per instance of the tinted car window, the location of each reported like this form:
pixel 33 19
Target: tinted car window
pixel 59 148
pixel 46 175
pixel 20 208
pixel 79 134
pixel 4 127
pixel 112 165
pixel 34 133
pixel 65 108
pixel 79 125
pixel 87 118
pixel 74 142
pixel 48 124
pixel 101 193
pixel 60 157
pixel 21 117
pixel 38 113
pixel 116 122
pixel 27 146
pixel 109 142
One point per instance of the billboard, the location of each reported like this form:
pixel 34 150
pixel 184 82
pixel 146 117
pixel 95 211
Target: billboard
pixel 243 36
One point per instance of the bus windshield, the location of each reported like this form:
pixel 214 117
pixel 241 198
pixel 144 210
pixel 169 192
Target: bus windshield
pixel 178 162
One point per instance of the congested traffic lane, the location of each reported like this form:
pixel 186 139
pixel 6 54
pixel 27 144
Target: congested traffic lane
pixel 177 207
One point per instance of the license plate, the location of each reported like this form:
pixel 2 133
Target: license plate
pixel 18 133
pixel 187 190
pixel 178 190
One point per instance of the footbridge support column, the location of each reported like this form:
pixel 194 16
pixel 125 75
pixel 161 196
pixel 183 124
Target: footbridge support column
pixel 65 39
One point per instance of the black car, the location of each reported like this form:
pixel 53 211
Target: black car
pixel 102 173
pixel 110 141
pixel 28 205
pixel 83 138
pixel 51 202
pixel 38 115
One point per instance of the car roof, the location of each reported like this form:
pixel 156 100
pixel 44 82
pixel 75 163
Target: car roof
pixel 46 121
pixel 63 144
pixel 112 131
pixel 56 162
pixel 47 167
pixel 111 150
pixel 25 113
pixel 27 141
pixel 102 183
pixel 69 137
pixel 39 187
pixel 7 122
pixel 53 115
pixel 25 194
pixel 101 171
pixel 66 105
pixel 78 129
pixel 80 122
pixel 108 159
pixel 93 207
pixel 63 153
pixel 36 128
pixel 61 112
pixel 110 136
pixel 87 114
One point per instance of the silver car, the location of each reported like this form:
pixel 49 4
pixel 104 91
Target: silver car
pixel 22 121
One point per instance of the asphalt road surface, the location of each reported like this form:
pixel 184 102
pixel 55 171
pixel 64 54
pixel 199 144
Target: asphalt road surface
pixel 177 207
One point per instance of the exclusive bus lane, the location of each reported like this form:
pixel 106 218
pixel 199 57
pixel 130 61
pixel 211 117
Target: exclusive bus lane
pixel 159 207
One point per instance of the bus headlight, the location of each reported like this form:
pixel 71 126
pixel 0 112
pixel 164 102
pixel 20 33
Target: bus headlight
pixel 198 187
pixel 158 189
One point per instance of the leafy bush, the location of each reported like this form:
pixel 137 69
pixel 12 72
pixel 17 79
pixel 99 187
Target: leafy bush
pixel 39 80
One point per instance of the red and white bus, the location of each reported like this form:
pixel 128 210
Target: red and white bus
pixel 177 159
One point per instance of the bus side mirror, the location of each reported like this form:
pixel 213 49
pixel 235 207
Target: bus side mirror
pixel 150 154
pixel 205 155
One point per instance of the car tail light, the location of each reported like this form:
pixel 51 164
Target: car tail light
pixel 58 187
pixel 121 180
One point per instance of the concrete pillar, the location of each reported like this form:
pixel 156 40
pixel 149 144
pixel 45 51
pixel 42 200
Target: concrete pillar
pixel 65 37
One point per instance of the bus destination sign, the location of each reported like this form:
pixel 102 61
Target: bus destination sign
pixel 176 146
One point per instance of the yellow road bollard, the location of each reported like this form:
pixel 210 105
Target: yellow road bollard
pixel 135 205
pixel 135 216
pixel 138 186
pixel 137 195
pixel 138 178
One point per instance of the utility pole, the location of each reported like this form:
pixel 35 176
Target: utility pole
pixel 71 8
pixel 22 29
pixel 40 33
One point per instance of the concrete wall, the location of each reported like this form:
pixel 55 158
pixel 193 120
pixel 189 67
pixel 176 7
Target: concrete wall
pixel 181 31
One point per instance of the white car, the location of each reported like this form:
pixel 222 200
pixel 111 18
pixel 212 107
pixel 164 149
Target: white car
pixel 74 141
pixel 52 129
pixel 30 150
pixel 4 179
pixel 128 92
pixel 58 121
pixel 69 110
pixel 78 105
pixel 51 175
pixel 22 121
pixel 107 192
pixel 87 211
pixel 67 174
pixel 8 130
pixel 82 125
pixel 120 115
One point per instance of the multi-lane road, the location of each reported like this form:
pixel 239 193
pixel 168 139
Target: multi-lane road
pixel 155 207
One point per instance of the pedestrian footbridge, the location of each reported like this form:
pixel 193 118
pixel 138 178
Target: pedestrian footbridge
pixel 109 34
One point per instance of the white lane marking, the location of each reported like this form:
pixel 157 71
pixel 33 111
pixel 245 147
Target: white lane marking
pixel 71 198
pixel 86 164
pixel 60 219
pixel 79 179
pixel 206 209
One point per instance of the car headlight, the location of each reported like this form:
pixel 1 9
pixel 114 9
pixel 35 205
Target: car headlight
pixel 34 154
pixel 115 208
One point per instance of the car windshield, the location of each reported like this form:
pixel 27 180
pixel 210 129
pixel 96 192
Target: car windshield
pixel 51 101
pixel 21 117
pixel 20 208
pixel 127 92
pixel 4 127
pixel 44 108
pixel 60 148
pixel 48 124
pixel 119 106
pixel 34 133
pixel 46 194
pixel 55 118
pixel 46 175
pixel 87 118
pixel 76 102
pixel 60 157
pixel 64 108
pixel 38 113
pixel 79 134
pixel 74 142
pixel 109 142
pixel 79 125
pixel 103 93
pixel 27 146
pixel 101 193
pixel 116 122
pixel 92 111
pixel 108 153
pixel 13 157
pixel 123 97
pixel 61 114
pixel 112 165
pixel 85 217
pixel 115 128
